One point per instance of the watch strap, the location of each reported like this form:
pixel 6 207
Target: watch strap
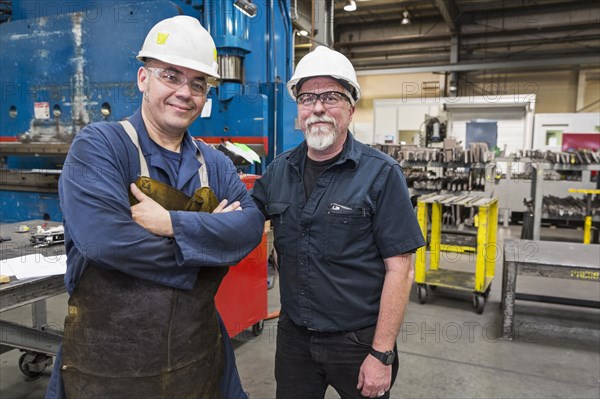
pixel 386 358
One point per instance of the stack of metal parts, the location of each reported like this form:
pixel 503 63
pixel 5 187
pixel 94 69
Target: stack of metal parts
pixel 580 157
pixel 462 200
pixel 423 180
pixel 414 153
pixel 449 168
pixel 555 175
pixel 451 181
pixel 458 216
pixel 451 152
pixel 569 206
pixel 390 149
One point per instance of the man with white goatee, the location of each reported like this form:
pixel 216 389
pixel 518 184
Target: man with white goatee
pixel 344 233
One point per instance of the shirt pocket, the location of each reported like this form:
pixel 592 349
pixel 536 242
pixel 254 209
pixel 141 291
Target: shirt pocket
pixel 343 214
pixel 348 230
pixel 281 221
pixel 277 212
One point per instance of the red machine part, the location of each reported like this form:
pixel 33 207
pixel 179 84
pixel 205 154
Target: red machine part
pixel 242 296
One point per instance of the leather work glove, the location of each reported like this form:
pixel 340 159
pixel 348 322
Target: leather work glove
pixel 204 199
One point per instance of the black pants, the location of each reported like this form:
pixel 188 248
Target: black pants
pixel 307 362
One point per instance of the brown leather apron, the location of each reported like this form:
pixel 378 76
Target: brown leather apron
pixel 129 338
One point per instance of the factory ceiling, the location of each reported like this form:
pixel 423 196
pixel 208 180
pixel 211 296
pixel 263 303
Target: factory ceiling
pixel 454 35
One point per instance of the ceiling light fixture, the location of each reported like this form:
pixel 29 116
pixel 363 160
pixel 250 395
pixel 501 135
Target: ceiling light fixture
pixel 246 7
pixel 350 5
pixel 302 32
pixel 405 19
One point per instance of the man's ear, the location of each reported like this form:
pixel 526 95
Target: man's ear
pixel 142 79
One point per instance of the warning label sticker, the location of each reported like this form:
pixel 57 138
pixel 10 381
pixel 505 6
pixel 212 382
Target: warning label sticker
pixel 41 110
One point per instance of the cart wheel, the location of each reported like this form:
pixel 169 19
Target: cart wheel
pixel 257 328
pixel 24 361
pixel 422 293
pixel 486 294
pixel 478 303
pixel 432 287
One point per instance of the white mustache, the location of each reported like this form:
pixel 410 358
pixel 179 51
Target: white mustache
pixel 323 118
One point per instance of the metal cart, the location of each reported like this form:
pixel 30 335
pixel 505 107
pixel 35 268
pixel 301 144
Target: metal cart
pixel 478 283
pixel 38 342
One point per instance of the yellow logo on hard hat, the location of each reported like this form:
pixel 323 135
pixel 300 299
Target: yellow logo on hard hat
pixel 162 38
pixel 215 54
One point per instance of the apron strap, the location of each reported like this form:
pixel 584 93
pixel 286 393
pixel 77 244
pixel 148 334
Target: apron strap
pixel 202 172
pixel 133 135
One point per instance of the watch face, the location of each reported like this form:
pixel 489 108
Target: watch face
pixel 386 358
pixel 389 358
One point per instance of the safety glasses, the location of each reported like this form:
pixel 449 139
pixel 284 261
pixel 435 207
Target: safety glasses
pixel 175 79
pixel 329 99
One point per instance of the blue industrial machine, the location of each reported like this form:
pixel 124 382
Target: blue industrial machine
pixel 67 64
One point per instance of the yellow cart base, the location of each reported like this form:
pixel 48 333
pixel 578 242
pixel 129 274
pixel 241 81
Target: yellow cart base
pixel 458 280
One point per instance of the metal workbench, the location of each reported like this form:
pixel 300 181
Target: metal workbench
pixel 552 259
pixel 38 340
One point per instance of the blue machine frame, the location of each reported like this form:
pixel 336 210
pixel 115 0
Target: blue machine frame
pixel 64 62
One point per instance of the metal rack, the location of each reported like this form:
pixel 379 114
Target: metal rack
pixel 521 178
pixel 541 187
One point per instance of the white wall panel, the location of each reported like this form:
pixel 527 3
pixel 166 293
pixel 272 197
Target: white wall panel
pixel 511 125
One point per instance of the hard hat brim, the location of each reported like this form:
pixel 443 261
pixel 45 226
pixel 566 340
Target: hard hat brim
pixel 178 61
pixel 355 92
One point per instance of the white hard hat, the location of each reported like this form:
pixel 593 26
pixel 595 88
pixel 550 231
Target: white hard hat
pixel 323 61
pixel 181 41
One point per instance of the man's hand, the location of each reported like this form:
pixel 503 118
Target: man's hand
pixel 223 208
pixel 374 378
pixel 150 215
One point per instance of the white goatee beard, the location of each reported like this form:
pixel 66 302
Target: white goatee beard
pixel 320 138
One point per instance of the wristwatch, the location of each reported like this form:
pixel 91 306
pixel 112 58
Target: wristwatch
pixel 386 358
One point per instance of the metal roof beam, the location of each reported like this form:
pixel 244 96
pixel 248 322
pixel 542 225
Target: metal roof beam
pixel 461 67
pixel 449 12
pixel 468 36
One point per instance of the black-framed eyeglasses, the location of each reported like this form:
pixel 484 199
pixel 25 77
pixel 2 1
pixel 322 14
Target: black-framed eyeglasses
pixel 175 79
pixel 329 99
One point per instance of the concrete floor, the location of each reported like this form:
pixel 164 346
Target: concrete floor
pixel 446 349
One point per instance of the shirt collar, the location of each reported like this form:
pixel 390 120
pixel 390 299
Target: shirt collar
pixel 190 164
pixel 146 143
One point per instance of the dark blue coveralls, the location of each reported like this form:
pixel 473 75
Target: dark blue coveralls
pixel 101 235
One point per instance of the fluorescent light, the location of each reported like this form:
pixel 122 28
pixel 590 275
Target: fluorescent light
pixel 350 5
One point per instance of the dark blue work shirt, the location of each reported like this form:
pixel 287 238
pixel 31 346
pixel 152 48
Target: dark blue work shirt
pixel 331 246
